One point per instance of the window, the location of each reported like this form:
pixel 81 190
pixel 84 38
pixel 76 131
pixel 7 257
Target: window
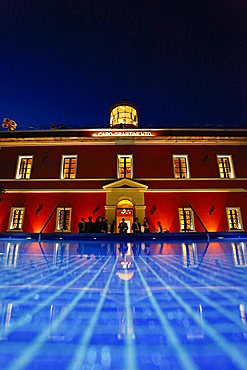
pixel 234 219
pixel 239 254
pixel 225 166
pixel 186 219
pixel 63 221
pixel 190 257
pixel 24 167
pixel 16 218
pixel 123 115
pixel 68 167
pixel 180 166
pixel 125 166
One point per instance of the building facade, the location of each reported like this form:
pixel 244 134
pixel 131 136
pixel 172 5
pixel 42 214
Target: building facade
pixel 188 179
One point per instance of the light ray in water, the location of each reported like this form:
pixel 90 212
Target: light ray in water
pixel 229 349
pixel 203 297
pixel 22 321
pixel 39 280
pixel 130 348
pixel 28 355
pixel 185 360
pixel 215 270
pixel 34 277
pixel 168 314
pixel 77 361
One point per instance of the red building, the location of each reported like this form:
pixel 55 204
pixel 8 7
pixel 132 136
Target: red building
pixel 189 179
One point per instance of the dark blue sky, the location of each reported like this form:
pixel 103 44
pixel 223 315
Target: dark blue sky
pixel 183 63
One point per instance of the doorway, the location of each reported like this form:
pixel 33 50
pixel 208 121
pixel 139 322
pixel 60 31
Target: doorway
pixel 125 209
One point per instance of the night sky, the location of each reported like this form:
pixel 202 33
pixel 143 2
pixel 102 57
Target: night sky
pixel 183 63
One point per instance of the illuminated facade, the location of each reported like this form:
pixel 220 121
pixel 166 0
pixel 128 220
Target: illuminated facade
pixel 189 179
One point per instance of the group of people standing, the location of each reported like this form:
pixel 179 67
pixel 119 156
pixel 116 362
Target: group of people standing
pixel 136 226
pixel 101 225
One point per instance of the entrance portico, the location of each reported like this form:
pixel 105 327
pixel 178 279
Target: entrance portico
pixel 125 191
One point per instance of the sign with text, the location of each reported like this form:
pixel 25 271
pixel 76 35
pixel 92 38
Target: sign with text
pixel 122 133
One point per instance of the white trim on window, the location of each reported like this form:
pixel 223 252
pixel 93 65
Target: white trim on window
pixel 181 175
pixel 182 213
pixel 62 168
pixel 67 224
pixel 234 219
pixel 27 174
pixel 223 173
pixel 16 218
pixel 119 156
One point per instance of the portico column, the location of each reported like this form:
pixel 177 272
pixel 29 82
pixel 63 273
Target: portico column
pixel 140 212
pixel 110 213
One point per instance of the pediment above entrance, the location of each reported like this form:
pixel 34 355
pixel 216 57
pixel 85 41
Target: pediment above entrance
pixel 125 183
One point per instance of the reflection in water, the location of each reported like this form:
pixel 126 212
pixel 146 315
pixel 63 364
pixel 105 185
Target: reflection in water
pixel 190 257
pixel 239 254
pixel 5 317
pixel 125 272
pixel 195 328
pixel 57 332
pixel 243 319
pixel 61 254
pixel 125 261
pixel 11 255
pixel 123 305
pixel 126 323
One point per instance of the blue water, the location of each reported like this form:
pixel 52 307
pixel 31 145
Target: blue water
pixel 108 305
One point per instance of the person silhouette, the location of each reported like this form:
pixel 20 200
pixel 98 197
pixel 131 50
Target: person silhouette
pixel 123 227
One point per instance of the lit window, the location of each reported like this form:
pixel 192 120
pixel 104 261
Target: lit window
pixel 225 166
pixel 68 167
pixel 24 166
pixel 190 258
pixel 234 219
pixel 16 218
pixel 181 167
pixel 63 221
pixel 239 254
pixel 125 166
pixel 123 115
pixel 186 219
